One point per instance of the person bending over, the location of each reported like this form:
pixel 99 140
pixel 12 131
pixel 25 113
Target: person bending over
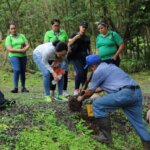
pixel 122 92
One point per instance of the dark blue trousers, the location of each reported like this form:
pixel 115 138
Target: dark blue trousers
pixel 19 68
pixel 81 73
pixel 131 103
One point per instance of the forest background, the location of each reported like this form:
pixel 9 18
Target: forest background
pixel 130 18
pixel 34 124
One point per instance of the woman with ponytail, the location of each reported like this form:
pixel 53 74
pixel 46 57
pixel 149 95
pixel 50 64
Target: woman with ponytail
pixel 50 52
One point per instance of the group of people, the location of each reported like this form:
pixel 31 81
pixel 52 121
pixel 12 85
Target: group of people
pixel 122 91
pixel 108 43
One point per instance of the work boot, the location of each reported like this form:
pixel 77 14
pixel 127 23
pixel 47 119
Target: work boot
pixel 6 103
pixel 146 145
pixel 105 127
pixel 15 90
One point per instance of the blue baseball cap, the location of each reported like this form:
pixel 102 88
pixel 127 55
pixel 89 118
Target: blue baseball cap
pixel 92 60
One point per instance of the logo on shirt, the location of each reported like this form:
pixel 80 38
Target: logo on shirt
pixel 110 37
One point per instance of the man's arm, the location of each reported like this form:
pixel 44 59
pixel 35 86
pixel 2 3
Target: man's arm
pixel 72 40
pixel 88 93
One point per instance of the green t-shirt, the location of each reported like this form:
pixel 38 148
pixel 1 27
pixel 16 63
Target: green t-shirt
pixel 16 42
pixel 51 36
pixel 107 45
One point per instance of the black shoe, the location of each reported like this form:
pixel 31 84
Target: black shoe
pixel 24 90
pixel 6 103
pixel 15 90
pixel 9 102
pixel 146 145
pixel 1 95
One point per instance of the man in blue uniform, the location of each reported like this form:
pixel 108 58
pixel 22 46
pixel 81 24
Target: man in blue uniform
pixel 122 92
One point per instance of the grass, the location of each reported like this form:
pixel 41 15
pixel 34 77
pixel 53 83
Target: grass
pixel 33 124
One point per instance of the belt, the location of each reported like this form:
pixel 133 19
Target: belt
pixel 132 87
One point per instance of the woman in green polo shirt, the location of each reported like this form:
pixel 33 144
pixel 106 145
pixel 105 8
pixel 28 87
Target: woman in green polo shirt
pixel 56 33
pixel 109 44
pixel 17 45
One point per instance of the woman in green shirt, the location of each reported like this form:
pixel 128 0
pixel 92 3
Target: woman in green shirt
pixel 56 33
pixel 17 45
pixel 109 44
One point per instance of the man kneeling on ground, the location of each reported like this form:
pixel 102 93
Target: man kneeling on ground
pixel 122 92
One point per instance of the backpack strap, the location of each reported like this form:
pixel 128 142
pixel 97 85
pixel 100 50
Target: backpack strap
pixel 114 39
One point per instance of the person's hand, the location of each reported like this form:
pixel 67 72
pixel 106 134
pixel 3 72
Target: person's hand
pixel 114 57
pixel 55 76
pixel 78 36
pixel 23 50
pixel 148 116
pixel 79 98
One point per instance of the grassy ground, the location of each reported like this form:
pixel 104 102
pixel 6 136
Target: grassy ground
pixel 33 124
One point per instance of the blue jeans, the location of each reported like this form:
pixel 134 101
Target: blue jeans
pixel 81 73
pixel 46 75
pixel 19 68
pixel 131 103
pixel 64 65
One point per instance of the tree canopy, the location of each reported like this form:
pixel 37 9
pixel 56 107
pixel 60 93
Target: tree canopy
pixel 131 18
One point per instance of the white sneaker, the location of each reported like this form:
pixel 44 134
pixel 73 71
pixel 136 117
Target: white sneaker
pixel 76 92
pixel 65 93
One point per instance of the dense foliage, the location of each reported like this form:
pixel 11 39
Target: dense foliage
pixel 33 124
pixel 131 18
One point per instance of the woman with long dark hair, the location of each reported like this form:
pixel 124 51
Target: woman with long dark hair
pixel 56 53
pixel 56 33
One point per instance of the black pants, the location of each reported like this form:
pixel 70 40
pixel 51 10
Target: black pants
pixel 2 100
pixel 116 62
pixel 81 73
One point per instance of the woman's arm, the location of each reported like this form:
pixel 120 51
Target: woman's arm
pixel 46 56
pixel 121 47
pixel 26 47
pixel 96 51
pixel 72 40
pixel 11 49
pixel 90 49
